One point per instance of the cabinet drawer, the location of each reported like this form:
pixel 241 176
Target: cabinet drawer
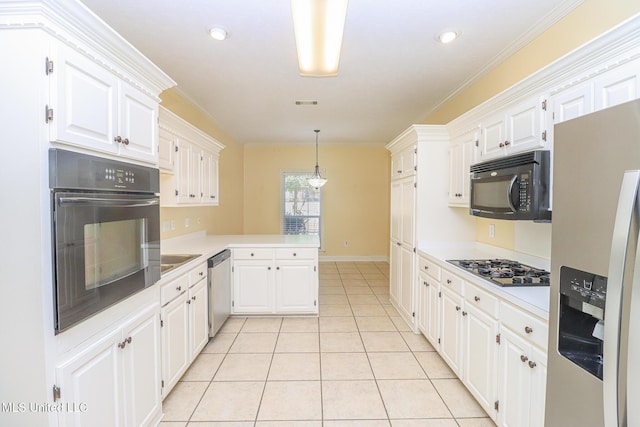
pixel 451 281
pixel 252 253
pixel 198 274
pixel 296 253
pixel 174 288
pixel 481 299
pixel 430 268
pixel 524 324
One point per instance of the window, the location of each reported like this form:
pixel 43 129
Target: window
pixel 301 208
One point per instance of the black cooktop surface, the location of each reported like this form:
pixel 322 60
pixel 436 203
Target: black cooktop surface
pixel 504 272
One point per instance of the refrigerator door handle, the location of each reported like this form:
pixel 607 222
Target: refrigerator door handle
pixel 613 307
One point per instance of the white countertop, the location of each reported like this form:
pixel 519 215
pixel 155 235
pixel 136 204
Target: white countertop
pixel 207 245
pixel 534 299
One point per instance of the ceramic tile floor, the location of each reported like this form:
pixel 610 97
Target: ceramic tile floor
pixel 357 365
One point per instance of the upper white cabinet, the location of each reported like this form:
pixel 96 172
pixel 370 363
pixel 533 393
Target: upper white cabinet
pixel 92 108
pixel 189 163
pixel 403 163
pixel 462 153
pixel 517 128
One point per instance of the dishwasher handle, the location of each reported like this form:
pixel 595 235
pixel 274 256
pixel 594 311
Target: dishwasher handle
pixel 218 258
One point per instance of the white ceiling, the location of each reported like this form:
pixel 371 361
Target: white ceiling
pixel 392 71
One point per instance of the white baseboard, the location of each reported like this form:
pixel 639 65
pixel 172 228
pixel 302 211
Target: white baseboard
pixel 376 258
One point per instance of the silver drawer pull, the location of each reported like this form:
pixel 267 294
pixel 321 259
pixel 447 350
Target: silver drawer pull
pixel 448 281
pixel 523 358
pixel 476 298
pixel 528 329
pixel 532 364
pixel 178 288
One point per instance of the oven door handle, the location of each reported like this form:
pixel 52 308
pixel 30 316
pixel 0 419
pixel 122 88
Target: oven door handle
pixel 512 205
pixel 99 201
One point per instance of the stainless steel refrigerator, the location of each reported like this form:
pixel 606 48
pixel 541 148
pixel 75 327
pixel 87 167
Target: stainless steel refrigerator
pixel 594 320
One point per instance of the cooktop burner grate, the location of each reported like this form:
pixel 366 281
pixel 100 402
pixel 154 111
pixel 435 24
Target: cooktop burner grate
pixel 504 272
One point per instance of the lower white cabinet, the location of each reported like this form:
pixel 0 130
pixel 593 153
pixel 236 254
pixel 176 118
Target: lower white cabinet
pixel 275 280
pixel 451 329
pixel 480 356
pixel 115 381
pixel 184 321
pixel 497 349
pixel 522 378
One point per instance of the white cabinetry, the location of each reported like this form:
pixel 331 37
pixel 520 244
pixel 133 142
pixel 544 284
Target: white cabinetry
pixel 115 381
pixel 184 320
pixel 462 153
pixel 275 280
pixel 480 346
pixel 523 368
pixel 451 337
pixel 517 128
pixel 189 163
pixel 93 108
pixel 403 208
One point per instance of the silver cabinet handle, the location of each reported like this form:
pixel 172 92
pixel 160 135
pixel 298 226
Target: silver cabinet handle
pixel 476 298
pixel 523 358
pixel 527 329
pixel 117 139
pixel 125 141
pixel 532 364
pixel 464 313
pixel 178 288
pixel 448 282
pixel 458 308
pixel 507 143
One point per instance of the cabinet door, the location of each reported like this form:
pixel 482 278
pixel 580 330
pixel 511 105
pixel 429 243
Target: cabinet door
pixel 138 124
pixel 184 160
pixel 198 318
pixel 451 329
pixel 92 383
pixel 84 102
pixel 480 355
pixel 395 271
pixel 396 210
pixel 252 287
pixel 295 287
pixel 433 313
pixel 175 341
pixel 209 178
pixel 423 303
pixel 406 284
pixel 573 102
pixel 525 126
pixel 619 85
pixel 408 203
pixel 455 173
pixel 538 367
pixel 493 137
pixel 166 152
pixel 142 370
pixel 515 380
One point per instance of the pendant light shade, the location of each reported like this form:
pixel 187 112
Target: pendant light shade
pixel 316 180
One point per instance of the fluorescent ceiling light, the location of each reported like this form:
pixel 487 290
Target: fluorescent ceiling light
pixel 318 27
pixel 218 33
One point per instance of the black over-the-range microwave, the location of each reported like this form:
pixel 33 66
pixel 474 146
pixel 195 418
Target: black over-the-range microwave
pixel 515 187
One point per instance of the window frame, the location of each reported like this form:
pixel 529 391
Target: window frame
pixel 308 173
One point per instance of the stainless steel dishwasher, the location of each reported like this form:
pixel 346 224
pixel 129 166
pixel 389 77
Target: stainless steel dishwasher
pixel 219 278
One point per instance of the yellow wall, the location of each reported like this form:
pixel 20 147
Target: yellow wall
pixel 355 199
pixel 223 219
pixel 587 21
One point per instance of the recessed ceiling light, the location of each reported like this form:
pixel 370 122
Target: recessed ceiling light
pixel 447 37
pixel 218 33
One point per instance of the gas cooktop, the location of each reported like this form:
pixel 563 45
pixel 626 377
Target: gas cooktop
pixel 504 272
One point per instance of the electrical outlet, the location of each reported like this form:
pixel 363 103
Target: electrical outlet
pixel 492 231
pixel 186 223
pixel 346 243
pixel 166 226
pixel 173 224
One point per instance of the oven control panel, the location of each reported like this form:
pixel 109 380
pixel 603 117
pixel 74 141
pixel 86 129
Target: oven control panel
pixel 77 171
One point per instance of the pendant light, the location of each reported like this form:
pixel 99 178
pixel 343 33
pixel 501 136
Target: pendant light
pixel 317 181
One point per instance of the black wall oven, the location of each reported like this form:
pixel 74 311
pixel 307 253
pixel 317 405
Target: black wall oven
pixel 106 233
